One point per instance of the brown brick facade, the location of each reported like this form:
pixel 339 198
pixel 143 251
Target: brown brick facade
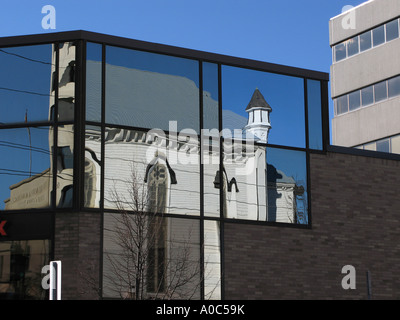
pixel 355 207
pixel 77 245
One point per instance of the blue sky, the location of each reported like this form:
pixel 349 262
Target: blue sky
pixel 288 32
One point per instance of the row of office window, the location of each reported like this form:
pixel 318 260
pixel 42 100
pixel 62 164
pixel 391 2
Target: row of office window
pixel 366 41
pixel 367 96
pixel 388 145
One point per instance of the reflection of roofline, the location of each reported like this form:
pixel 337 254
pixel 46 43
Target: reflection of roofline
pixel 354 8
pixel 27 180
pixel 161 48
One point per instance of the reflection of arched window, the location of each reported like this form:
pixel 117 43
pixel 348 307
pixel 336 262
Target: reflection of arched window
pixel 157 188
pixel 158 176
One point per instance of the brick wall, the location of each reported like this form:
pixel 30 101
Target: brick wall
pixel 77 245
pixel 355 207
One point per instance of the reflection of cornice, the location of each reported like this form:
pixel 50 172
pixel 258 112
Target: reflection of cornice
pixel 176 142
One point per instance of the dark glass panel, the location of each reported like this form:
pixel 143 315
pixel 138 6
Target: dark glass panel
pixel 151 90
pixel 287 186
pixel 392 30
pixel 380 91
pixel 340 51
pixel 25 168
pixel 354 100
pixel 352 46
pixel 367 96
pixel 254 101
pixel 365 41
pixel 93 82
pixel 169 258
pixel 394 87
pixel 21 263
pixel 314 114
pixel 25 83
pixel 93 167
pixel 162 170
pixel 378 35
pixel 383 145
pixel 342 105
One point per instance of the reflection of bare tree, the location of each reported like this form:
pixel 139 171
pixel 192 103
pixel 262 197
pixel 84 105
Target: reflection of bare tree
pixel 145 257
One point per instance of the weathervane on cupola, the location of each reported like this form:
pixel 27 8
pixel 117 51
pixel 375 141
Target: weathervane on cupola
pixel 258 123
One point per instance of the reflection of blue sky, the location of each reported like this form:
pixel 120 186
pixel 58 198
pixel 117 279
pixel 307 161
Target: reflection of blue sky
pixel 314 114
pixel 16 151
pixel 25 83
pixel 291 162
pixel 284 94
pixel 147 61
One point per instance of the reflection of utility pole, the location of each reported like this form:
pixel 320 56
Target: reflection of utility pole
pixel 30 144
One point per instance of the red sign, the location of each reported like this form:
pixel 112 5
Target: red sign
pixel 2 232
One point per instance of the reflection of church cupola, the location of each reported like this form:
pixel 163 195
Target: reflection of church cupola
pixel 258 122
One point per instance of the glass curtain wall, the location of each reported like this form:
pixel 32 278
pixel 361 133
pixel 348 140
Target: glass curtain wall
pixel 37 114
pixel 174 143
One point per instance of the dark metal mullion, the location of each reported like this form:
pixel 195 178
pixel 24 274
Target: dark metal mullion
pixel 79 117
pixel 221 181
pixel 102 161
pixel 54 151
pixel 325 114
pixel 306 113
pixel 202 283
pixel 55 127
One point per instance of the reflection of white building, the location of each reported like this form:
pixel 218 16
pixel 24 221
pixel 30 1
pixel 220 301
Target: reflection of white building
pixel 35 191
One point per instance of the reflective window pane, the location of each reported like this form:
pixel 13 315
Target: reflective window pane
pixel 165 266
pixel 152 171
pixel 365 41
pixel 392 30
pixel 66 81
pixel 93 81
pixel 26 174
pixel 247 94
pixel 394 87
pixel 352 46
pixel 314 114
pixel 210 96
pixel 243 181
pixel 65 166
pixel 25 83
pixel 151 90
pixel 287 186
pixel 383 145
pixel 380 91
pixel 340 51
pixel 378 35
pixel 367 96
pixel 93 166
pixel 342 105
pixel 354 100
